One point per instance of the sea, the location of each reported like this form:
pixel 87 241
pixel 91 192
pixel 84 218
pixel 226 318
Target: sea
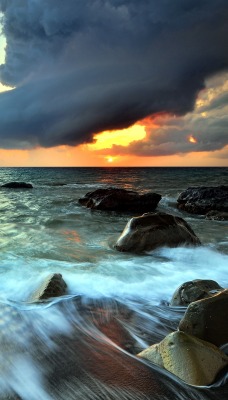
pixel 45 230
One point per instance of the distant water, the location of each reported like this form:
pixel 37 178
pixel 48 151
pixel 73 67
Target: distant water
pixel 45 230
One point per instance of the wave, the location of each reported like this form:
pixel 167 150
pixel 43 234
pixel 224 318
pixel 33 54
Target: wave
pixel 80 347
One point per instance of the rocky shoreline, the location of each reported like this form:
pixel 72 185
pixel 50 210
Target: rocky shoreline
pixel 193 351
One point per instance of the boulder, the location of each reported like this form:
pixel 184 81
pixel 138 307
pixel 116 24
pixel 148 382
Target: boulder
pixel 17 185
pixel 114 199
pixel 53 286
pixel 217 215
pixel 207 319
pixel 193 360
pixel 193 291
pixel 201 200
pixel 152 230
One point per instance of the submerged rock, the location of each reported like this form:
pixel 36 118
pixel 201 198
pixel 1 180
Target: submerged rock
pixel 193 360
pixel 193 291
pixel 217 215
pixel 207 319
pixel 201 200
pixel 17 185
pixel 114 199
pixel 53 286
pixel 152 230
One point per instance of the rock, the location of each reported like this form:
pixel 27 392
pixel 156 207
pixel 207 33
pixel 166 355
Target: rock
pixel 152 230
pixel 17 185
pixel 114 199
pixel 53 286
pixel 217 215
pixel 207 319
pixel 66 356
pixel 201 200
pixel 193 360
pixel 194 290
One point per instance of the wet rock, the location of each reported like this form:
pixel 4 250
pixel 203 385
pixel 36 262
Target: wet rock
pixel 217 215
pixel 152 230
pixel 88 365
pixel 207 319
pixel 114 199
pixel 79 359
pixel 53 286
pixel 17 185
pixel 193 291
pixel 201 200
pixel 193 360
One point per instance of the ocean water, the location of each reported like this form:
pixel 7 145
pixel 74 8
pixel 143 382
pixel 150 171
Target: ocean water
pixel 45 230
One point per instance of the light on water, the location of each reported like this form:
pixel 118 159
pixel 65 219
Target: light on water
pixel 45 230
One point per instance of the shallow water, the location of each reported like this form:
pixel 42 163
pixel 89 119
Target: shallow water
pixel 45 230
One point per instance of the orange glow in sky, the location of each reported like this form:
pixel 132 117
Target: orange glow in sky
pixel 99 154
pixel 110 159
pixel 67 156
pixel 192 139
pixel 121 137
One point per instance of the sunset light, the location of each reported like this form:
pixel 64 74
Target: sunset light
pixel 192 139
pixel 113 171
pixel 123 137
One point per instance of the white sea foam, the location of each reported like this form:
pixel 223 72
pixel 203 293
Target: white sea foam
pixel 153 277
pixel 44 231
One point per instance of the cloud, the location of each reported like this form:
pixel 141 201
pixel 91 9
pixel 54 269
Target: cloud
pixel 81 67
pixel 202 130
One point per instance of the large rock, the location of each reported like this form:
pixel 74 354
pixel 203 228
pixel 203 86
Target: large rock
pixel 114 199
pixel 17 185
pixel 152 230
pixel 193 360
pixel 201 200
pixel 207 319
pixel 193 291
pixel 53 286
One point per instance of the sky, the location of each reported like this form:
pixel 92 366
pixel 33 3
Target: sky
pixel 114 83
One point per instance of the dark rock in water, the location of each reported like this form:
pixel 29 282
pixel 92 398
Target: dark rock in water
pixel 207 319
pixel 217 215
pixel 194 290
pixel 17 185
pixel 53 286
pixel 152 230
pixel 201 200
pixel 195 361
pixel 114 199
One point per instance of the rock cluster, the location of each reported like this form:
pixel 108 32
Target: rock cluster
pixel 114 199
pixel 205 199
pixel 191 353
pixel 152 230
pixel 211 201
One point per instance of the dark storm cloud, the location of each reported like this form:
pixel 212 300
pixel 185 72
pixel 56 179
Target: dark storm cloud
pixel 84 66
pixel 206 126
